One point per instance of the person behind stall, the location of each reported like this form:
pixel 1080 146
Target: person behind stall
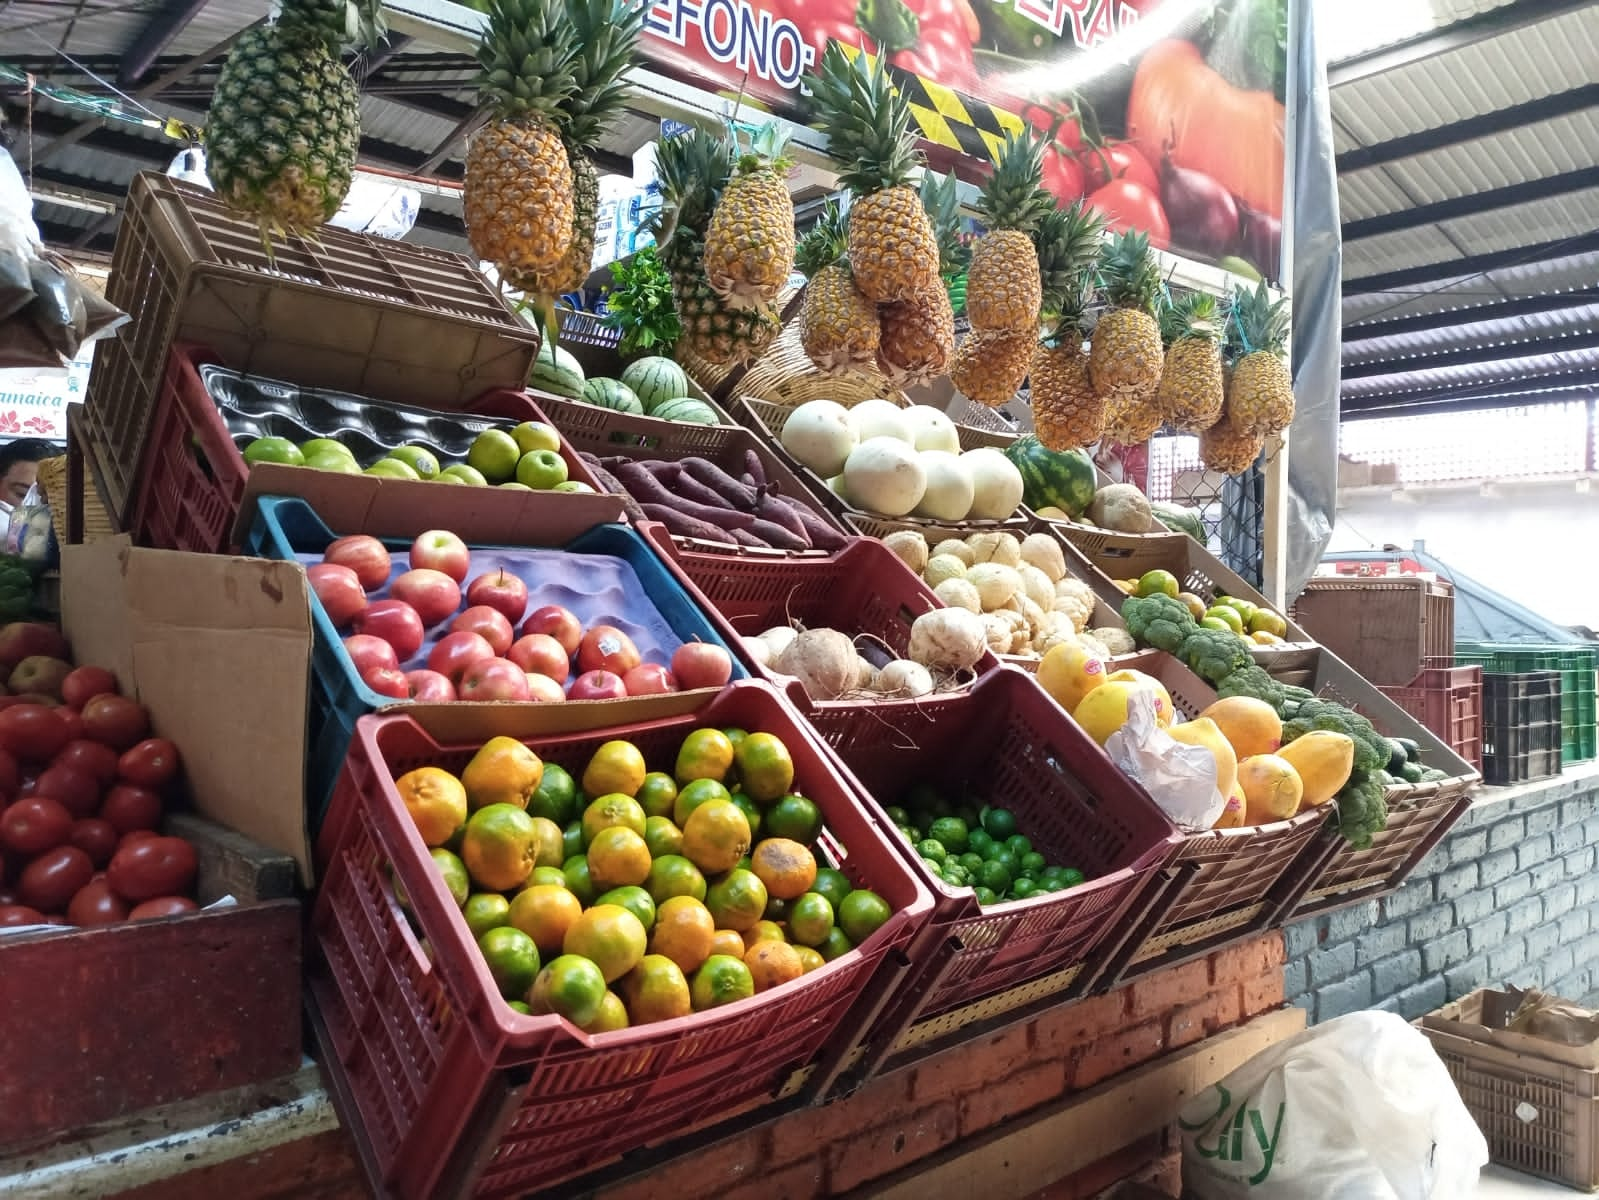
pixel 19 469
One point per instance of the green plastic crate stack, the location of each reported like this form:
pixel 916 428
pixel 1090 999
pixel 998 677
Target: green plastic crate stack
pixel 1578 687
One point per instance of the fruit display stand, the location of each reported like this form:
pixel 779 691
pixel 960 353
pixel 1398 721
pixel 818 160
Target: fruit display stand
pixel 594 345
pixel 1006 744
pixel 447 1087
pixel 1449 701
pixel 623 581
pixel 390 320
pixel 1577 684
pixel 194 480
pixel 766 417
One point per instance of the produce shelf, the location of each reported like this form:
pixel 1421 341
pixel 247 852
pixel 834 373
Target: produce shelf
pixel 1448 701
pixel 1007 745
pixel 1577 685
pixel 651 600
pixel 1521 737
pixel 449 1085
pixel 1388 627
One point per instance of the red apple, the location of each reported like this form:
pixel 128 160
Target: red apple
pixel 649 679
pixel 455 652
pixel 24 639
pixel 493 679
pixel 363 554
pixel 499 590
pixel 490 623
pixel 558 623
pixel 540 654
pixel 598 685
pixel 543 689
pixel 429 687
pixel 388 681
pixel 702 665
pixel 441 550
pixel 368 654
pixel 397 623
pixel 339 588
pixel 432 593
pixel 607 648
pixel 84 684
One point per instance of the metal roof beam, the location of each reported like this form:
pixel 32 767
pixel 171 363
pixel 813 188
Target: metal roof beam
pixel 1523 306
pixel 1506 352
pixel 158 33
pixel 1476 203
pixel 1583 377
pixel 1480 27
pixel 1441 137
pixel 1550 390
pixel 1473 265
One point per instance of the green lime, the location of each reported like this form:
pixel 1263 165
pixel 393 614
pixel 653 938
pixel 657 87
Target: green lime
pixel 555 797
pixel 1071 877
pixel 338 464
pixel 1157 582
pixel 1032 863
pixel 658 794
pixel 994 876
pixel 453 871
pixel 752 813
pixel 495 454
pixel 673 875
pixel 274 450
pixel 392 468
pixel 971 861
pixel 576 870
pixel 419 458
pixel 1023 888
pixel 956 874
pixel 572 840
pixel 513 960
pixel 794 817
pixel 897 815
pixel 834 944
pixel 998 823
pixel 810 919
pixel 694 794
pixel 951 833
pixel 932 851
pixel 1018 845
pixel 485 911
pixel 1007 860
pixel 547 876
pixel 636 900
pixel 518 1006
pixel 862 913
pixel 985 895
pixel 832 883
pixel 326 446
pixel 980 843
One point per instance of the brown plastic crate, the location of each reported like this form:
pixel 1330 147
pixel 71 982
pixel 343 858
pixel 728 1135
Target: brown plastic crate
pixel 1388 627
pixel 390 320
pixel 1448 700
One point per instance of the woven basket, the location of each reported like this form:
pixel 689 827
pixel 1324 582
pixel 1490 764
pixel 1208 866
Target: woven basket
pixel 53 479
pixel 785 375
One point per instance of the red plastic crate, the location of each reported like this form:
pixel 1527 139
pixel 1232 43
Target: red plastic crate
pixel 1009 745
pixel 1448 701
pixel 424 1048
pixel 193 479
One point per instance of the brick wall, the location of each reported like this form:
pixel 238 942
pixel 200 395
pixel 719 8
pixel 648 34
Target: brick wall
pixel 915 1112
pixel 1510 896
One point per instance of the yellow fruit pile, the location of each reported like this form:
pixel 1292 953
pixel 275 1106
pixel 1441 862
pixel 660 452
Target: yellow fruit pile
pixel 625 895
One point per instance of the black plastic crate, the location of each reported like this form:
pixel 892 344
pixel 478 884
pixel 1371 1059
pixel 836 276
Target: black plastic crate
pixel 1520 727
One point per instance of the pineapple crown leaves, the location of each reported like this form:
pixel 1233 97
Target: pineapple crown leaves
pixel 1194 316
pixel 942 202
pixel 693 168
pixel 336 23
pixel 528 58
pixel 768 150
pixel 607 33
pixel 889 23
pixel 1069 242
pixel 1131 273
pixel 1011 197
pixel 1259 322
pixel 825 243
pixel 868 122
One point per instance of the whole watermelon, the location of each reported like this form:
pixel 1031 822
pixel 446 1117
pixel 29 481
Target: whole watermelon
pixel 655 380
pixel 1053 478
pixel 612 393
pixel 557 372
pixel 686 410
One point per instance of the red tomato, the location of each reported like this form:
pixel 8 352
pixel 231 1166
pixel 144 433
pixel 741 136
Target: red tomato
pixel 1127 205
pixel 34 825
pixel 52 879
pixel 1063 176
pixel 1056 115
pixel 72 719
pixel 95 837
pixel 1118 160
pixel 78 792
pixel 19 914
pixel 152 763
pixel 91 758
pixel 134 836
pixel 97 904
pixel 163 906
pixel 85 683
pixel 115 720
pixel 32 732
pixel 10 777
pixel 128 807
pixel 161 866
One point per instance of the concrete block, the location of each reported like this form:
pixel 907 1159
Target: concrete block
pixel 1541 943
pixel 1496 866
pixel 1379 943
pixel 1559 963
pixel 1416 895
pixel 1445 951
pixel 1524 914
pixel 1348 923
pixel 1473 906
pixel 1489 932
pixel 1299 940
pixel 1511 890
pixel 1294 977
pixel 1393 975
pixel 1345 996
pixel 1533 850
pixel 1509 957
pixel 1573 925
pixel 1468 846
pixel 1331 963
pixel 1421 999
pixel 1506 833
pixel 1429 925
pixel 1466 977
pixel 1559 899
pixel 1459 880
pixel 1543 820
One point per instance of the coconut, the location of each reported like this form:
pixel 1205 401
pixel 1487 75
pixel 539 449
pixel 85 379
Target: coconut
pixel 824 661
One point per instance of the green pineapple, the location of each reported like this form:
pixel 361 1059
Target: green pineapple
pixel 1003 290
pixel 284 131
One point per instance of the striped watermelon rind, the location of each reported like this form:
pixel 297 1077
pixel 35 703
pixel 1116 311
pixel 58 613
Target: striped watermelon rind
pixel 612 394
pixel 687 410
pixel 1051 478
pixel 655 381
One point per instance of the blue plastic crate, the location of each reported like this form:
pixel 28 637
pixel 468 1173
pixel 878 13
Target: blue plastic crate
pixel 289 528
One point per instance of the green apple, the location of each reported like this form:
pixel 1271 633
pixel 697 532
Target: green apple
pixel 541 470
pixel 454 480
pixel 515 487
pixel 392 468
pixel 536 435
pixel 419 458
pixel 494 453
pixel 462 473
pixel 325 446
pixel 274 450
pixel 574 485
pixel 327 460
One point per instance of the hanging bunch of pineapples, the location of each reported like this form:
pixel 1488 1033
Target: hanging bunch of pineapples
pixel 918 335
pixel 693 169
pixel 1189 398
pixel 1126 356
pixel 1067 412
pixel 1259 401
pixel 749 244
pixel 838 327
pixel 284 132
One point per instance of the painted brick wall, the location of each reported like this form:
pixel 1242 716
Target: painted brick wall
pixel 1510 896
pixel 915 1112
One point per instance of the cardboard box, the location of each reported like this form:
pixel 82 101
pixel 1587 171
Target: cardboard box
pixel 1482 1017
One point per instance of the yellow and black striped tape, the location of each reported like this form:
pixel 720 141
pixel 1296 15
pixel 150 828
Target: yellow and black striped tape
pixel 952 119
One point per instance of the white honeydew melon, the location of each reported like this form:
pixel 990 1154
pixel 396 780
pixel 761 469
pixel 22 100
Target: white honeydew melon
pixel 885 475
pixel 880 418
pixel 948 495
pixel 996 484
pixel 836 486
pixel 931 429
pixel 820 435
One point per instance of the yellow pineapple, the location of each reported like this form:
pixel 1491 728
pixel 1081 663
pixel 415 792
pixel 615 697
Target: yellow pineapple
pixel 918 342
pixel 893 251
pixel 838 326
pixel 1131 422
pixel 1126 357
pixel 1003 289
pixel 749 245
pixel 990 368
pixel 1190 396
pixel 1067 412
pixel 1261 398
pixel 1227 450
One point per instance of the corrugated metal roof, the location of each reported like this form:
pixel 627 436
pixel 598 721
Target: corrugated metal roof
pixel 1581 319
pixel 1533 152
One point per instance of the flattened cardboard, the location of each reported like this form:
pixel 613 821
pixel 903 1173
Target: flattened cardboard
pixel 1482 1015
pixel 473 722
pixel 219 650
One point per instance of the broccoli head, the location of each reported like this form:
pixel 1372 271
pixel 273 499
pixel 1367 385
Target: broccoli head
pixel 1362 811
pixel 1161 621
pixel 1371 748
pixel 1253 681
pixel 1214 654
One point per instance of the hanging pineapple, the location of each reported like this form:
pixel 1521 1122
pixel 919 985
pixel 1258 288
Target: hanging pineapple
pixel 749 245
pixel 990 367
pixel 284 131
pixel 517 195
pixel 838 326
pixel 607 33
pixel 693 168
pixel 893 251
pixel 1126 359
pixel 919 334
pixel 1067 412
pixel 1002 286
pixel 1223 448
pixel 1261 400
pixel 1189 397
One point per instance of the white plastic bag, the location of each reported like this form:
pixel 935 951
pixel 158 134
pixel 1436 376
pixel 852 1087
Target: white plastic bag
pixel 1180 779
pixel 1360 1108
